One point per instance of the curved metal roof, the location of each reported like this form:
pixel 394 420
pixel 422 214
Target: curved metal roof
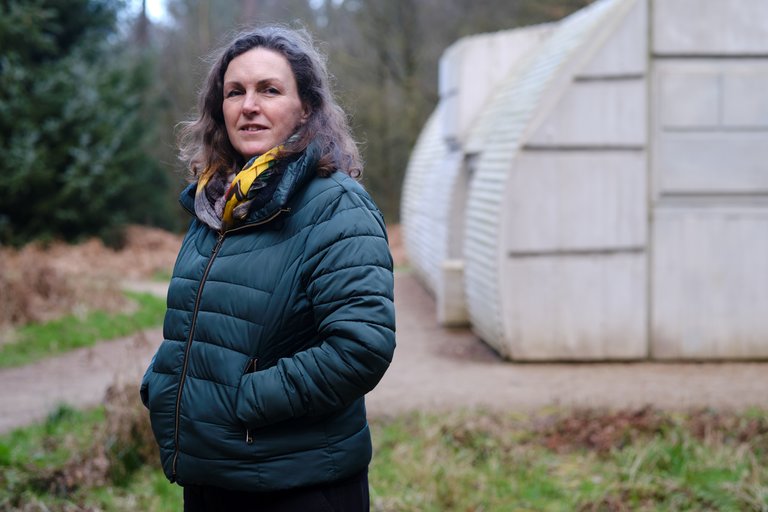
pixel 498 137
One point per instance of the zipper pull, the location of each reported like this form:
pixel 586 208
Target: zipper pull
pixel 251 367
pixel 219 240
pixel 248 436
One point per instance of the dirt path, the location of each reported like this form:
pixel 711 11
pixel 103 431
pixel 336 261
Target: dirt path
pixel 434 369
pixel 437 369
pixel 79 378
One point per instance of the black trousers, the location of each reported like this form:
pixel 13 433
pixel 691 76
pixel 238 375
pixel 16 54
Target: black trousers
pixel 350 495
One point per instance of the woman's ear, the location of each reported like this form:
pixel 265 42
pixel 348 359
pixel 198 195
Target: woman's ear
pixel 305 112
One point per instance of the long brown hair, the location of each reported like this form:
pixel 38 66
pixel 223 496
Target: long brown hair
pixel 203 142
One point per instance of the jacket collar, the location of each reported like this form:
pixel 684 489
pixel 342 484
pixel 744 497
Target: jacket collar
pixel 296 174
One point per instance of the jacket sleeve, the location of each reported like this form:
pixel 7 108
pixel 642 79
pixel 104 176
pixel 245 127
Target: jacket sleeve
pixel 348 278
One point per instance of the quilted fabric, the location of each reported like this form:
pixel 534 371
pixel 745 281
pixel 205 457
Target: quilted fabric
pixel 274 333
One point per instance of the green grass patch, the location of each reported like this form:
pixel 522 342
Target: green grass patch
pixel 37 341
pixel 147 490
pixel 162 276
pixel 464 461
pixel 649 461
pixel 63 464
pixel 51 443
pixel 403 269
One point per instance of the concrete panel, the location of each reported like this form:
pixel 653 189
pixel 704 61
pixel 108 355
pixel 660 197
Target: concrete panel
pixel 707 27
pixel 710 284
pixel 576 308
pixel 577 200
pixel 710 133
pixel 719 162
pixel 689 98
pixel 451 303
pixel 706 93
pixel 597 113
pixel 745 98
pixel 471 69
pixel 448 129
pixel 449 69
pixel 626 51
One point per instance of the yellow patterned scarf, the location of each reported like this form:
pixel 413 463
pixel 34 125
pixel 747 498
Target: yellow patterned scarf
pixel 238 190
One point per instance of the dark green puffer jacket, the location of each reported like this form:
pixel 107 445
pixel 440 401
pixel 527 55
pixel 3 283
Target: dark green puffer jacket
pixel 273 334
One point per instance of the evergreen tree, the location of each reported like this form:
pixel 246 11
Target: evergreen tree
pixel 75 129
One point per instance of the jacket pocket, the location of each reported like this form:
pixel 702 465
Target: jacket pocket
pixel 250 368
pixel 144 388
pixel 144 393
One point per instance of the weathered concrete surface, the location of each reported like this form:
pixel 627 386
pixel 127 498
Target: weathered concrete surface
pixel 717 27
pixel 434 369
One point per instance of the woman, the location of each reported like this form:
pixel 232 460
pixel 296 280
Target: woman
pixel 280 315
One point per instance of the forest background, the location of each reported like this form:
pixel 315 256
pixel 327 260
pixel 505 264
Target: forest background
pixel 91 92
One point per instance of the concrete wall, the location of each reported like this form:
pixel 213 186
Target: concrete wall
pixel 710 179
pixel 579 307
pixel 710 27
pixel 490 56
pixel 437 179
pixel 577 201
pixel 711 123
pixel 710 282
pixel 597 112
pixel 613 187
pixel 576 216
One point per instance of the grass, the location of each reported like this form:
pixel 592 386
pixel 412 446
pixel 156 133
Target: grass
pixel 161 276
pixel 63 464
pixel 483 462
pixel 50 444
pixel 37 341
pixel 464 461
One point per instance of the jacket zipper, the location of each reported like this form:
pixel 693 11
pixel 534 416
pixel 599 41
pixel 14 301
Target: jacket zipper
pixel 183 378
pixel 262 221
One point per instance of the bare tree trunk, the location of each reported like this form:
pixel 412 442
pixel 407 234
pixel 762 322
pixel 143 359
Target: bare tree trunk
pixel 203 23
pixel 142 27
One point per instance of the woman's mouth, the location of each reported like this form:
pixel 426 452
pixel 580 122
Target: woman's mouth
pixel 252 128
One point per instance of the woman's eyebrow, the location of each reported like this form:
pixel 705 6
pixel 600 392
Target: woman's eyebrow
pixel 264 81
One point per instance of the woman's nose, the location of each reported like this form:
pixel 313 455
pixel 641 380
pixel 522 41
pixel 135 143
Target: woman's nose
pixel 251 103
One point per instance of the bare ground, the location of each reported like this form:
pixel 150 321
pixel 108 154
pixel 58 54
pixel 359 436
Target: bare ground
pixel 437 369
pixel 434 369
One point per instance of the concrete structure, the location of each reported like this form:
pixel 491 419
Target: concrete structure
pixel 597 188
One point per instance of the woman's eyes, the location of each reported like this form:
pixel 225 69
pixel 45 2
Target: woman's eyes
pixel 272 91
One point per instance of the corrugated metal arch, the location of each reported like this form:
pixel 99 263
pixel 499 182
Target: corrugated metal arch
pixel 497 138
pixel 421 231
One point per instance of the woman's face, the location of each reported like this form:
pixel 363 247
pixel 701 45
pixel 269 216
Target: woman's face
pixel 261 102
